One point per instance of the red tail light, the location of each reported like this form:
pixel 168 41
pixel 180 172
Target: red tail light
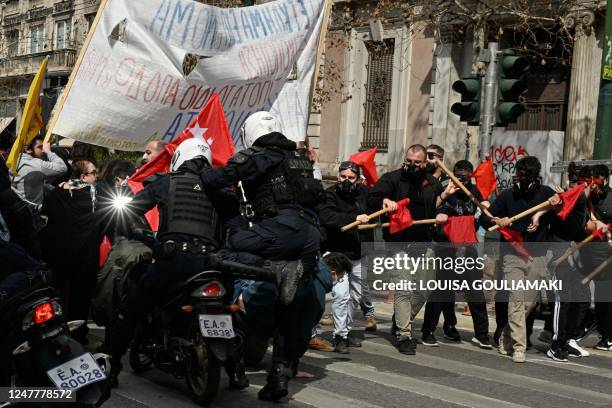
pixel 212 289
pixel 43 313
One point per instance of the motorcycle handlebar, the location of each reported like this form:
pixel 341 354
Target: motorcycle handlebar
pixel 242 270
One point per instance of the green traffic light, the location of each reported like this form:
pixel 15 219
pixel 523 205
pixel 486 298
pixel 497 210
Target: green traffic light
pixel 469 88
pixel 514 65
pixel 512 88
pixel 508 112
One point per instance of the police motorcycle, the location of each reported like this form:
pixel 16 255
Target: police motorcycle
pixel 41 352
pixel 196 332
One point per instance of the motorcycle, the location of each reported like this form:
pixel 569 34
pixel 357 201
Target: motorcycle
pixel 41 352
pixel 196 331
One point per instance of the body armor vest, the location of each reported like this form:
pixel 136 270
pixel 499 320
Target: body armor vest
pixel 290 183
pixel 189 210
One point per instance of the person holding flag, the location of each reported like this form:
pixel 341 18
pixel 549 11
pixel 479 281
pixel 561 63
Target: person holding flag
pixel 457 215
pixel 518 264
pixel 425 193
pixel 26 157
pixel 346 201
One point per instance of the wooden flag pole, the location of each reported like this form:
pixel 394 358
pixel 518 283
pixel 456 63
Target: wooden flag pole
pixel 386 224
pixel 320 47
pixel 597 271
pixel 356 223
pixel 459 184
pixel 573 249
pixel 525 213
pixel 74 72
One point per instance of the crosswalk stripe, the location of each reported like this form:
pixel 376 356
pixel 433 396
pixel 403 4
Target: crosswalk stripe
pixel 319 397
pixel 414 385
pixel 490 374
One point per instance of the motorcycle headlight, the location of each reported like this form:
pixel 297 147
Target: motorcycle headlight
pixel 121 202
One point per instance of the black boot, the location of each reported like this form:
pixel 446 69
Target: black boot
pixel 288 275
pixel 277 383
pixel 116 366
pixel 237 377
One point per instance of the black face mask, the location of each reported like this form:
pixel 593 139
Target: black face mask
pixel 430 168
pixel 346 188
pixel 599 194
pixel 526 187
pixel 413 172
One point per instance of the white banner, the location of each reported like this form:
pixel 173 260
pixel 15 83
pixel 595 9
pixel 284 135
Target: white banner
pixel 507 146
pixel 131 88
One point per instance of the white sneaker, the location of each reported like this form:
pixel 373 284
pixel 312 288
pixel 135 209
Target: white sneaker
pixel 574 350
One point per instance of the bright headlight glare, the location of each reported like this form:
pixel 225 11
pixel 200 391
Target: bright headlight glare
pixel 121 202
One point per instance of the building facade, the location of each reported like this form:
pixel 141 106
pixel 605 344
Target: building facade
pixel 30 31
pixel 397 87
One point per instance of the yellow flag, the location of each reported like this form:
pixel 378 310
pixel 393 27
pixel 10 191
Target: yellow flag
pixel 31 119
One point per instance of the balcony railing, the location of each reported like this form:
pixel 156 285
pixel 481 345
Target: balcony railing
pixel 38 13
pixel 11 20
pixel 64 6
pixel 548 115
pixel 59 60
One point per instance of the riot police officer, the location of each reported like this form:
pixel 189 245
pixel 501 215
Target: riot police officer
pixel 279 183
pixel 190 227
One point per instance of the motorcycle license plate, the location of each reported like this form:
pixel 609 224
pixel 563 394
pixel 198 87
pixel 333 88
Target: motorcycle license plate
pixel 76 373
pixel 219 326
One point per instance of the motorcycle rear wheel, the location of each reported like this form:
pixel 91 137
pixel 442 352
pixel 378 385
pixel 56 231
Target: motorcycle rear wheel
pixel 203 373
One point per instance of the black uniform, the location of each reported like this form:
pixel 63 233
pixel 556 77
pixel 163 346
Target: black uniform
pixel 190 226
pixel 278 182
pixel 457 204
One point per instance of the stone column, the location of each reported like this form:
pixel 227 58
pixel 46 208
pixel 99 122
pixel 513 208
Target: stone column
pixel 584 87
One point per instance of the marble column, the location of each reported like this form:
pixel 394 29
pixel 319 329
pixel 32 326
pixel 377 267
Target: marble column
pixel 584 87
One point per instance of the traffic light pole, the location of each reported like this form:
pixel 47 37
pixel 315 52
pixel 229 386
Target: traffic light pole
pixel 490 100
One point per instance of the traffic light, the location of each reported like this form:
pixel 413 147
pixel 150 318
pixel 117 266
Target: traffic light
pixel 469 107
pixel 512 71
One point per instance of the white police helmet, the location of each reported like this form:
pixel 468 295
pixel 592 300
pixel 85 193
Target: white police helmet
pixel 190 149
pixel 257 125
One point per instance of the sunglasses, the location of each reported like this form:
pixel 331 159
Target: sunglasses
pixel 348 165
pixel 433 155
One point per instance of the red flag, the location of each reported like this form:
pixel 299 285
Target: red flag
pixel 460 229
pixel 368 164
pixel 485 178
pixel 105 249
pixel 569 198
pixel 515 239
pixel 400 219
pixel 210 125
pixel 598 234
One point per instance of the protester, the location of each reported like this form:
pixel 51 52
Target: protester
pixel 72 239
pixel 457 203
pixel 153 148
pixel 347 202
pixel 37 165
pixel 526 192
pixel 425 194
pixel 592 256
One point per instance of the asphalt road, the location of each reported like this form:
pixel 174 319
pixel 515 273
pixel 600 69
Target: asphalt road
pixel 376 375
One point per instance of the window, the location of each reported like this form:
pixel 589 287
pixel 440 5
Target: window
pixel 378 98
pixel 89 18
pixel 12 39
pixel 62 34
pixel 37 39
